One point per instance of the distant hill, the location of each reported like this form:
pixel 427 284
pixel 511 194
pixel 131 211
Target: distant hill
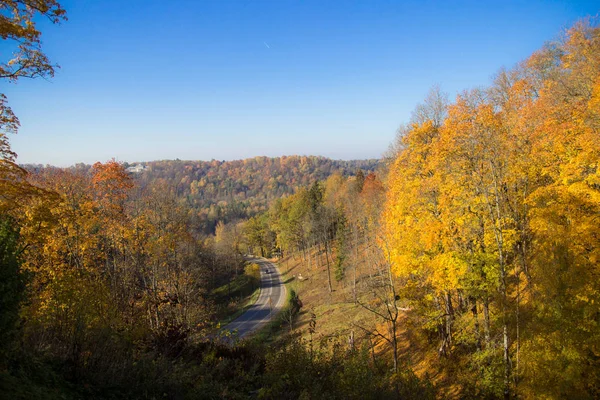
pixel 230 190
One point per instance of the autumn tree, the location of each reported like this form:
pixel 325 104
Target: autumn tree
pixel 488 221
pixel 259 235
pixel 20 34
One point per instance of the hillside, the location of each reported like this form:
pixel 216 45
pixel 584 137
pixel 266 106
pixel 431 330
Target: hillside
pixel 228 191
pixel 231 190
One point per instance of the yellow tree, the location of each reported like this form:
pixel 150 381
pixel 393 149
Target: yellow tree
pixel 496 210
pixel 563 213
pixel 474 155
pixel 415 229
pixel 64 253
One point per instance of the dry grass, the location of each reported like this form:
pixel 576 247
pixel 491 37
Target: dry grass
pixel 336 313
pixel 337 316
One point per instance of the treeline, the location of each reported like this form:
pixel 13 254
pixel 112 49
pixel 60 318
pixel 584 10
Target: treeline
pixel 335 217
pixel 491 224
pixel 227 191
pixel 230 191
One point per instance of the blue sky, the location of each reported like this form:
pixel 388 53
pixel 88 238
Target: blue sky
pixel 143 80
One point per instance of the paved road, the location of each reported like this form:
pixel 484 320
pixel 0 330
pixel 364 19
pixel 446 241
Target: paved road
pixel 270 301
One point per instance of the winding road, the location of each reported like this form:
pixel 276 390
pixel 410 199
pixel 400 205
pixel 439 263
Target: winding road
pixel 270 301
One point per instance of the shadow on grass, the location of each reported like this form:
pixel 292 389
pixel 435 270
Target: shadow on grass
pixel 285 269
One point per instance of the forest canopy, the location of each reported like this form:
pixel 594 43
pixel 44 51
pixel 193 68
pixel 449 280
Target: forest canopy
pixel 491 224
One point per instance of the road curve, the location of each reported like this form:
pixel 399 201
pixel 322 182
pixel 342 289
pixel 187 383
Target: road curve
pixel 270 301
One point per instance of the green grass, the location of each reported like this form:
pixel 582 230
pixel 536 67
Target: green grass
pixel 249 303
pixel 241 285
pixel 234 298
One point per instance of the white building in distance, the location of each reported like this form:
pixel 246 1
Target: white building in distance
pixel 136 168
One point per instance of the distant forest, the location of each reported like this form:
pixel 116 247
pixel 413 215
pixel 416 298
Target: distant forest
pixel 227 191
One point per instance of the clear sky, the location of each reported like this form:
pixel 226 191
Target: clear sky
pixel 143 80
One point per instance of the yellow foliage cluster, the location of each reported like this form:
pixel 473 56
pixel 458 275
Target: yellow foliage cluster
pixel 493 213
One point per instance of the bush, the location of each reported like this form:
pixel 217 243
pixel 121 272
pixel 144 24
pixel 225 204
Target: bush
pixel 12 283
pixel 330 371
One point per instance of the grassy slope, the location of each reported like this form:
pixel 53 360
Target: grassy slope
pixel 337 315
pixel 232 299
pixel 335 312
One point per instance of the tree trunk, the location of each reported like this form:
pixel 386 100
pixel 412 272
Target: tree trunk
pixel 354 282
pixel 447 327
pixel 486 321
pixel 506 363
pixel 355 262
pixel 449 319
pixel 476 319
pixel 395 345
pixel 328 269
